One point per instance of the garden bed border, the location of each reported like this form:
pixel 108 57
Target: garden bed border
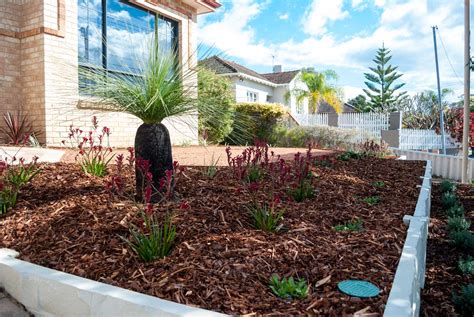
pixel 46 292
pixel 405 295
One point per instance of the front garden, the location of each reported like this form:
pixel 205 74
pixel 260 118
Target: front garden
pixel 262 235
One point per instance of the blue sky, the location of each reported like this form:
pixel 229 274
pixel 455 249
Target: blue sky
pixel 342 35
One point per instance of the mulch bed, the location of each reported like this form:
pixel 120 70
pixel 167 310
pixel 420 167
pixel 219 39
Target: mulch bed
pixel 67 221
pixel 442 274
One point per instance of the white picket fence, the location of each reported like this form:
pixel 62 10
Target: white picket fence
pixel 368 123
pixel 415 139
pixel 311 119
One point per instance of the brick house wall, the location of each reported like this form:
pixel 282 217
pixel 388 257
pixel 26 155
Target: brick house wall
pixel 39 69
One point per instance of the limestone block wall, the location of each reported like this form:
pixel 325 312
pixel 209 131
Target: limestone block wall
pixel 39 70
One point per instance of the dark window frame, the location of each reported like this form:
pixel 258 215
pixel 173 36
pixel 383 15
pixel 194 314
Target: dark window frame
pixel 104 64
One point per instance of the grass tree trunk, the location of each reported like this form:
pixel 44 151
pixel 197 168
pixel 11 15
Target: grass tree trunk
pixel 153 143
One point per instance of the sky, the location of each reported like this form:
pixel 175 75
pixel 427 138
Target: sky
pixel 342 35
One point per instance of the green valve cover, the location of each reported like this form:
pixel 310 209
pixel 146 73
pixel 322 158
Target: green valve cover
pixel 357 288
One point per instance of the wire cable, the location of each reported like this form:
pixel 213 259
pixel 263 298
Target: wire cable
pixel 449 60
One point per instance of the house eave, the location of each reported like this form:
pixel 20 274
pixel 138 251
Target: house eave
pixel 203 6
pixel 252 78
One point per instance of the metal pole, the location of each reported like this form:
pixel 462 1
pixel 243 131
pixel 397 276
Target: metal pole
pixel 441 114
pixel 467 82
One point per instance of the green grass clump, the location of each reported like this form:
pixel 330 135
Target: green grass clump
pixel 266 218
pixel 371 200
pixel 458 224
pixel 353 225
pixel 254 174
pixel 466 266
pixel 464 301
pixel 303 191
pixel 378 184
pixel 288 288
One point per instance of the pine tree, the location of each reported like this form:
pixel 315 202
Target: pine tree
pixel 382 89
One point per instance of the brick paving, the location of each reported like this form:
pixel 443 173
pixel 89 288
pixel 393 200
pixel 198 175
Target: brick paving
pixel 203 155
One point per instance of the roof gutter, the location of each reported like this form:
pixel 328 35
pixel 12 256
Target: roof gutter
pixel 252 78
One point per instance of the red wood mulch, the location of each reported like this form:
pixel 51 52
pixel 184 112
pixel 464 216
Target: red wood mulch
pixel 67 221
pixel 442 274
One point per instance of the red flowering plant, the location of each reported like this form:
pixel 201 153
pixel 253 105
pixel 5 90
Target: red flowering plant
pixel 95 152
pixel 14 174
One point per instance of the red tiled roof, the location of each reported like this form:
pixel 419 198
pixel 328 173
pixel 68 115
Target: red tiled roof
pixel 212 3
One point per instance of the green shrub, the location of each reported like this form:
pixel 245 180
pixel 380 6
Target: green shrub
pixel 266 218
pixel 456 211
pixel 353 225
pixel 154 240
pixel 259 122
pixel 458 224
pixel 462 239
pixel 466 266
pixel 348 155
pixel 215 91
pixel 448 199
pixel 288 288
pixel 371 200
pixel 464 301
pixel 319 136
pixel 447 186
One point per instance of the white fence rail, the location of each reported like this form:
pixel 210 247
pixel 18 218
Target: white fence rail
pixel 446 166
pixel 405 296
pixel 413 139
pixel 370 123
pixel 311 119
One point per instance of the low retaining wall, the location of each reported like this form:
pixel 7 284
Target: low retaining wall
pixel 46 293
pixel 446 166
pixel 405 296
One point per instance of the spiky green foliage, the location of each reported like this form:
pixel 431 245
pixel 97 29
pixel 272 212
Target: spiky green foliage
pixel 458 224
pixel 466 266
pixel 346 156
pixel 449 199
pixel 462 239
pixel 266 217
pixel 211 169
pixel 447 186
pixel 353 225
pixel 378 184
pixel 304 190
pixel 254 174
pixel 457 210
pixel 319 89
pixel 154 241
pixel 382 89
pixel 464 301
pixel 215 91
pixel 161 88
pixel 288 288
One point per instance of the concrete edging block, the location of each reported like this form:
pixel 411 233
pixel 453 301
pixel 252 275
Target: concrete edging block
pixel 46 292
pixel 405 296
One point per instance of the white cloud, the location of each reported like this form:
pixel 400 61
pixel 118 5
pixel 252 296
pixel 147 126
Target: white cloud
pixel 283 16
pixel 404 27
pixel 319 13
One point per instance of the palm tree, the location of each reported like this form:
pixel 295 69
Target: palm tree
pixel 319 89
pixel 160 89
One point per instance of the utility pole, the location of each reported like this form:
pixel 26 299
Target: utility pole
pixel 467 83
pixel 441 114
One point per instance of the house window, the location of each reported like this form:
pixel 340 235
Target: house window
pixel 252 96
pixel 116 36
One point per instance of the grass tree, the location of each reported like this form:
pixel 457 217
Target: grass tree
pixel 161 89
pixel 318 89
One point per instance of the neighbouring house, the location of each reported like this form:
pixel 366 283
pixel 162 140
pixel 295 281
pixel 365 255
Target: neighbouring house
pixel 275 87
pixel 43 43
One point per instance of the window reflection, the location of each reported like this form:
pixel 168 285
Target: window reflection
pixel 127 36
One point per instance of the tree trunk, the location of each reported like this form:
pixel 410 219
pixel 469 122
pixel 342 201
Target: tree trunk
pixel 153 143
